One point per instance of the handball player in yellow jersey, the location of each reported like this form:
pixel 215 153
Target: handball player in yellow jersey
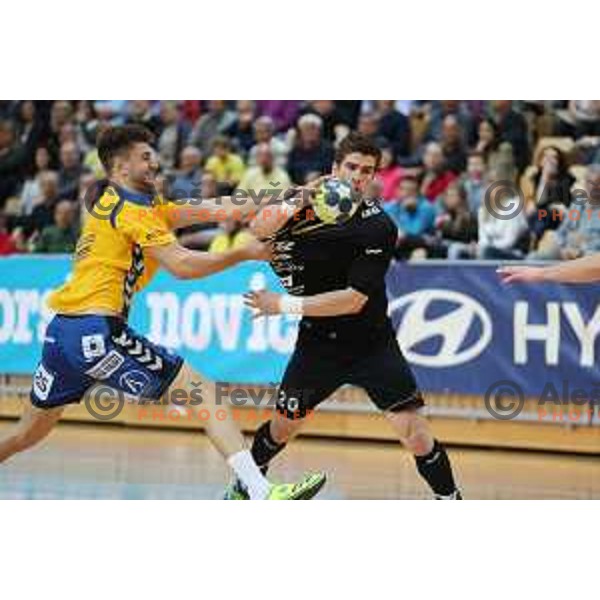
pixel 127 237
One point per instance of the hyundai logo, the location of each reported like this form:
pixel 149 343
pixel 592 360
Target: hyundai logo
pixel 440 328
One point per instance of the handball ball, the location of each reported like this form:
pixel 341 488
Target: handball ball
pixel 335 201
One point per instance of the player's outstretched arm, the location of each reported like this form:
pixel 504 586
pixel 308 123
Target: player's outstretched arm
pixel 191 212
pixel 190 264
pixel 328 304
pixel 581 270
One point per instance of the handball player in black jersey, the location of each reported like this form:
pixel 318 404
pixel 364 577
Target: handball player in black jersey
pixel 334 276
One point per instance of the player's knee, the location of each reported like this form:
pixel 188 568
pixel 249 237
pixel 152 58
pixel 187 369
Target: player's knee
pixel 401 422
pixel 413 431
pixel 420 442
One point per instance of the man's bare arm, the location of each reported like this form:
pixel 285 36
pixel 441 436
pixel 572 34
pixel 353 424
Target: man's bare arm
pixel 190 264
pixel 581 270
pixel 328 304
pixel 240 207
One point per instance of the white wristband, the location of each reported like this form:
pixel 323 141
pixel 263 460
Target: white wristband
pixel 291 305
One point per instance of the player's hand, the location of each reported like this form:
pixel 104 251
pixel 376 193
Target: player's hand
pixel 255 250
pixel 307 192
pixel 522 274
pixel 262 303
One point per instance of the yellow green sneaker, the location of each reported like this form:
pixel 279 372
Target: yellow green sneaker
pixel 304 490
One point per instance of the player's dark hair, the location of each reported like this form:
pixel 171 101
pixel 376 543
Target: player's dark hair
pixel 118 140
pixel 357 142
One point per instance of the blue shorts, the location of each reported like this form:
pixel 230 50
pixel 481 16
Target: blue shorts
pixel 80 351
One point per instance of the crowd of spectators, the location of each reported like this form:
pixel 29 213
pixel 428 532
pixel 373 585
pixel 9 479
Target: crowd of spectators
pixel 440 162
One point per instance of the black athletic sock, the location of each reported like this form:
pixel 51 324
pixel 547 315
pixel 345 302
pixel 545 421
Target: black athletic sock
pixel 264 447
pixel 435 469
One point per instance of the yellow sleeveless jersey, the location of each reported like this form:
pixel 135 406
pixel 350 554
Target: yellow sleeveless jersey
pixel 109 261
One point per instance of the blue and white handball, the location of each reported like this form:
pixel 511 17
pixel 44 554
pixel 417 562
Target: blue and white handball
pixel 335 201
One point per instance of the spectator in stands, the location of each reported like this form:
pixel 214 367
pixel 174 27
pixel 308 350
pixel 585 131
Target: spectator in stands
pixel 70 169
pixel 31 188
pixel 551 185
pixel 264 133
pixel 13 161
pixel 228 168
pixel 241 131
pixel 7 243
pixel 394 127
pixel 266 175
pixel 440 109
pixel 332 125
pixel 575 236
pixel 453 146
pixel 501 238
pixel 86 120
pixel 61 236
pixel 456 226
pixel 414 216
pixel 512 128
pixel 473 181
pixel 200 235
pixel 582 118
pixel 30 129
pixel 187 182
pixel 173 136
pixel 42 214
pixel 389 174
pixel 233 235
pixel 112 111
pixel 61 113
pixel 310 153
pixel 70 132
pixel 368 125
pixel 348 112
pixel 140 113
pixel 487 139
pixel 436 176
pixel 214 123
pixel 283 112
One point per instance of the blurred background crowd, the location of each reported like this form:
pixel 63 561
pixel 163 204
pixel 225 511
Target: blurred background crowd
pixel 440 159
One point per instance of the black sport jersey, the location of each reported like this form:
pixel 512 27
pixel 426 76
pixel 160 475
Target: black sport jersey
pixel 312 258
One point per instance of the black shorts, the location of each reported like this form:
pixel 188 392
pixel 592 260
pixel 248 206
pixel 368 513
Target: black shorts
pixel 323 361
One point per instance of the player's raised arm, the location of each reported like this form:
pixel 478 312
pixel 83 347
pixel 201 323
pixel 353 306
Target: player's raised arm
pixel 581 270
pixel 190 264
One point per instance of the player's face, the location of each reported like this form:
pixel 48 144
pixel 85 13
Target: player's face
pixel 358 169
pixel 140 167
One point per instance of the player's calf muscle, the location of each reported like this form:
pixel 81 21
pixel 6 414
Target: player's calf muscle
pixel 33 427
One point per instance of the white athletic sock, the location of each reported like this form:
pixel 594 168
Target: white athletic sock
pixel 245 468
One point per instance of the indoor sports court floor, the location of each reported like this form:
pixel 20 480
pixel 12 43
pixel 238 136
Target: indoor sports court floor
pixel 86 461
